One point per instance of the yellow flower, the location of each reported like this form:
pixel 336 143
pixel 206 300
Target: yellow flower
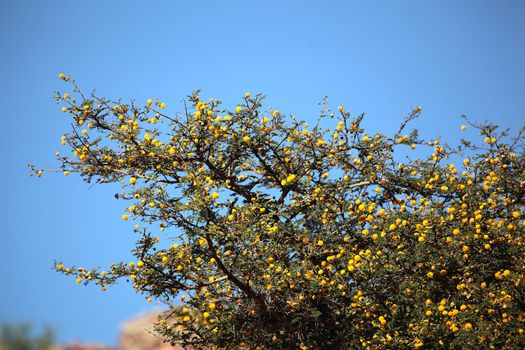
pixel 149 101
pixel 124 217
pixel 162 105
pixel 147 137
pixel 215 195
pixel 463 127
pixel 275 113
pixel 132 180
pixel 290 178
pixel 62 76
pixel 238 109
pixel 246 95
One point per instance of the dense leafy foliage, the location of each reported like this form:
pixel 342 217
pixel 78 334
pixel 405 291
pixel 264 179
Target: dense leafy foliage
pixel 280 235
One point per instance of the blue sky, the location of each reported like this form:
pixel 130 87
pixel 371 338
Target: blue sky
pixel 378 57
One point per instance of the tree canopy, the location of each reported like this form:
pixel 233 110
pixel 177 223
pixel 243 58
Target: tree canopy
pixel 276 234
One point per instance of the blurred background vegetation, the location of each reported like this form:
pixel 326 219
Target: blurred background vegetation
pixel 23 337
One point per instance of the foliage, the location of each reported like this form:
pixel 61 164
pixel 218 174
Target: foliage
pixel 20 337
pixel 288 236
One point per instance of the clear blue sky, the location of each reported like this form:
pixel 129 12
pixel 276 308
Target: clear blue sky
pixel 378 57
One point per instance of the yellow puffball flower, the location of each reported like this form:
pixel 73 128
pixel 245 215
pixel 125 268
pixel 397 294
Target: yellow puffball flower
pixel 64 109
pixel 186 318
pixel 79 279
pixel 238 109
pixel 205 314
pixel 246 138
pixel 265 120
pixel 149 101
pixel 290 178
pixel 320 243
pixel 162 105
pixel 486 139
pixel 463 127
pixel 124 217
pixel 275 113
pixel 60 266
pixel 321 143
pixel 132 180
pixel 283 182
pixel 430 274
pixel 211 306
pixel 215 195
pixel 247 94
pixel 66 173
pixel 341 108
pixel 147 137
pixel 62 76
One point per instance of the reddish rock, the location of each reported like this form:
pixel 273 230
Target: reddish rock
pixel 80 346
pixel 138 334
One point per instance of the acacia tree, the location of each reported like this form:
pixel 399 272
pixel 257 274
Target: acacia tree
pixel 280 235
